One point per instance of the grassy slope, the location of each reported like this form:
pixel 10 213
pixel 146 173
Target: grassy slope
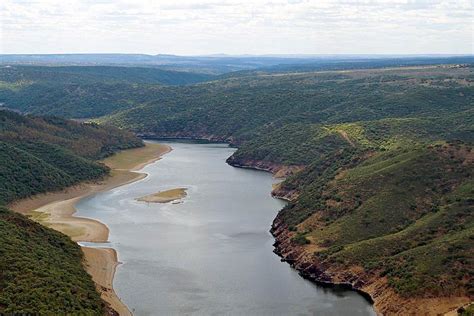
pixel 40 269
pixel 405 214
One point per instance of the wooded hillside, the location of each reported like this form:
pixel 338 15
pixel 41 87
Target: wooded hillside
pixel 41 270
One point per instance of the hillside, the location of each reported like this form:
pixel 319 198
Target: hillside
pixel 95 74
pixel 240 109
pixel 44 154
pixel 41 270
pixel 86 91
pixel 93 91
pixel 398 225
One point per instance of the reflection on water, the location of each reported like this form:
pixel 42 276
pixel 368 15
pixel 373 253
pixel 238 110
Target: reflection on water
pixel 212 254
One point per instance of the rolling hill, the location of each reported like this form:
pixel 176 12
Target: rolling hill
pixel 83 92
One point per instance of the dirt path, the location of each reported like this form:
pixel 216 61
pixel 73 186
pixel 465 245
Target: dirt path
pixel 346 137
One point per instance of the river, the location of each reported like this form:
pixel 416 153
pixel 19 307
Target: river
pixel 212 254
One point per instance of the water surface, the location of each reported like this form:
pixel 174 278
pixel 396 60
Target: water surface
pixel 212 254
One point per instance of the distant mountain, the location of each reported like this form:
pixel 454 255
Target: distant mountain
pixel 202 64
pixel 97 74
pixel 352 63
pixel 222 63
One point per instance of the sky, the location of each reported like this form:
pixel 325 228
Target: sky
pixel 201 27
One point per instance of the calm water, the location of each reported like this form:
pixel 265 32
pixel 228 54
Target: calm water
pixel 211 254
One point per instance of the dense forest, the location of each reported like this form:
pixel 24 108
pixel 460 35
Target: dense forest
pixel 41 154
pixel 41 270
pixel 381 194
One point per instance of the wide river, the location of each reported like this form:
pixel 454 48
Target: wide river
pixel 212 253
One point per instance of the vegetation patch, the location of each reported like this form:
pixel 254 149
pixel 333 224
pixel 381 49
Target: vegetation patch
pixel 41 271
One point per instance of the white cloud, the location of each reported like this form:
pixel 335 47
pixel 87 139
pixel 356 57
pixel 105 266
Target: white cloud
pixel 236 27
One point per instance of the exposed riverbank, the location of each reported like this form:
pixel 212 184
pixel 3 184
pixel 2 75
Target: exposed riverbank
pixel 376 290
pixel 56 210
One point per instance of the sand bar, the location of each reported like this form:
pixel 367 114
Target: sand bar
pixel 164 196
pixel 56 210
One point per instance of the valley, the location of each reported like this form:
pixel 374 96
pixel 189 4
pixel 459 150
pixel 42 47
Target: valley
pixel 377 163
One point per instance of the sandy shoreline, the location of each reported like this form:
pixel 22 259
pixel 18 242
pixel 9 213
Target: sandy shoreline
pixel 56 210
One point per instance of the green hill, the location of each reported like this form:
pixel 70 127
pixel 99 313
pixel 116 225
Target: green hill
pixel 43 154
pixel 97 74
pixel 26 170
pixel 405 215
pixel 242 108
pixel 86 91
pixel 41 270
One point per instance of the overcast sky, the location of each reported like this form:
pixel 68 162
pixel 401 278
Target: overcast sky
pixel 191 27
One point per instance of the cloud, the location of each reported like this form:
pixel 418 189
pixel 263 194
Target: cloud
pixel 258 26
